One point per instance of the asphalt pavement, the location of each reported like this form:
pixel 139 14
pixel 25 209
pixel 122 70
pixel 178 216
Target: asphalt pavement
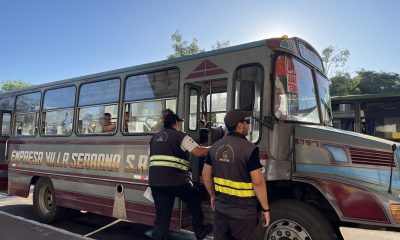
pixel 17 222
pixel 15 227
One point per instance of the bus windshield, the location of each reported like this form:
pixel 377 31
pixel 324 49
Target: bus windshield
pixel 295 93
pixel 323 90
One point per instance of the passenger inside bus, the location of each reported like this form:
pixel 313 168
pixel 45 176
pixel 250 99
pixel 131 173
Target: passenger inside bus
pixel 159 125
pixel 126 122
pixel 203 133
pixel 107 125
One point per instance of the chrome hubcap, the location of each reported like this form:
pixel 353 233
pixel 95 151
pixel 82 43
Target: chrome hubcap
pixel 46 199
pixel 284 229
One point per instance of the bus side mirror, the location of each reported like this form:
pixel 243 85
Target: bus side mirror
pixel 246 96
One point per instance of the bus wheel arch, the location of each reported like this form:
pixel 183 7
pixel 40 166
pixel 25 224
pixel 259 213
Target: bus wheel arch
pixel 292 219
pixel 44 201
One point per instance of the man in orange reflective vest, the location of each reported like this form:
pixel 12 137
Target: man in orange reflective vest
pixel 233 178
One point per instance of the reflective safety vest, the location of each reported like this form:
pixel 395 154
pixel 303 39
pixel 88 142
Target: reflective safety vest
pixel 169 164
pixel 239 189
pixel 235 196
pixel 169 161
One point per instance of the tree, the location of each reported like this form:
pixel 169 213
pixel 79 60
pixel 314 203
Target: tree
pixel 344 84
pixel 221 44
pixel 374 82
pixel 10 85
pixel 335 61
pixel 182 47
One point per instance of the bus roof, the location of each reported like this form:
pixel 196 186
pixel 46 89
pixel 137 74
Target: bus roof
pixel 254 44
pixel 364 97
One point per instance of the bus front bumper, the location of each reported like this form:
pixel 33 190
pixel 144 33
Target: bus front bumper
pixel 364 234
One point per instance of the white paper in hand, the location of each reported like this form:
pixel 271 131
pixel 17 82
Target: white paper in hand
pixel 147 194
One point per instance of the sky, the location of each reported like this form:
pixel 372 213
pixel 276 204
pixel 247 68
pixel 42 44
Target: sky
pixel 49 40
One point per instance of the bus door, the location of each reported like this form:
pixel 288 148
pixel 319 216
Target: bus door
pixel 5 121
pixel 191 123
pixel 205 109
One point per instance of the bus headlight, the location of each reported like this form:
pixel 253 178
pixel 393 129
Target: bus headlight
pixel 338 154
pixel 395 210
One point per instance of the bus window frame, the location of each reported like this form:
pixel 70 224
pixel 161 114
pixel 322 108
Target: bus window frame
pixel 74 107
pixel 77 106
pixel 149 72
pixel 357 115
pixel 36 112
pixel 233 92
pixel 163 106
pixel 10 125
pixel 210 113
pixel 123 102
pixel 273 79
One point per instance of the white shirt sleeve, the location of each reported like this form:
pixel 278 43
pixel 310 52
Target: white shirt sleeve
pixel 188 144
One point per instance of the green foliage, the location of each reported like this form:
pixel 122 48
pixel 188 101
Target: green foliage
pixel 382 82
pixel 182 47
pixel 365 82
pixel 221 44
pixel 344 84
pixel 10 85
pixel 335 61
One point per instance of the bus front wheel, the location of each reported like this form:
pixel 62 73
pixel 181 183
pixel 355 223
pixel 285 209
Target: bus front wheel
pixel 292 220
pixel 44 202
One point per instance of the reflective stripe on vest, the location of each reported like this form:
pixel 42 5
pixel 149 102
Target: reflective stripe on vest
pixel 239 189
pixel 169 161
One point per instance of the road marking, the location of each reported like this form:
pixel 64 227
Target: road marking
pixel 46 226
pixel 106 226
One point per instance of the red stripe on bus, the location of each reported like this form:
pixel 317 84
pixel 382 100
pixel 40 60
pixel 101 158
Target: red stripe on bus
pixel 136 211
pixel 50 172
pixel 3 184
pixel 215 72
pixel 133 206
pixel 3 166
pixel 81 142
pixel 18 189
pixel 351 200
pixel 92 207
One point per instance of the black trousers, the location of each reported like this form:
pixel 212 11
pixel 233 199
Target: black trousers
pixel 227 228
pixel 164 198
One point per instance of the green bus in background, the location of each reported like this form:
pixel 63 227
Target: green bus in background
pixel 372 114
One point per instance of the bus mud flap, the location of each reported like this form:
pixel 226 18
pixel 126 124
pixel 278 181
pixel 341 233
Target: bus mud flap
pixel 119 210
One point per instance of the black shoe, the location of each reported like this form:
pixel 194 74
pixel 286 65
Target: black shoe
pixel 204 231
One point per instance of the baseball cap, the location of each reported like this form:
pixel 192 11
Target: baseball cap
pixel 234 116
pixel 171 119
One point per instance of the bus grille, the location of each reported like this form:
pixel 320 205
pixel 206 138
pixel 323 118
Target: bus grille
pixel 371 157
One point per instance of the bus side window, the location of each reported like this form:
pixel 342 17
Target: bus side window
pixel 5 128
pixel 26 114
pixel 248 81
pixel 98 107
pixel 58 111
pixel 147 96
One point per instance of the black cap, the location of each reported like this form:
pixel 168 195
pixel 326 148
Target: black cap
pixel 171 119
pixel 234 116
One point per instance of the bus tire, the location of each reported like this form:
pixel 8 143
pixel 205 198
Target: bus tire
pixel 44 202
pixel 291 219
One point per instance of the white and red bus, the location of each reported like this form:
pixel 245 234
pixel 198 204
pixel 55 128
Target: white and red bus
pixel 83 142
